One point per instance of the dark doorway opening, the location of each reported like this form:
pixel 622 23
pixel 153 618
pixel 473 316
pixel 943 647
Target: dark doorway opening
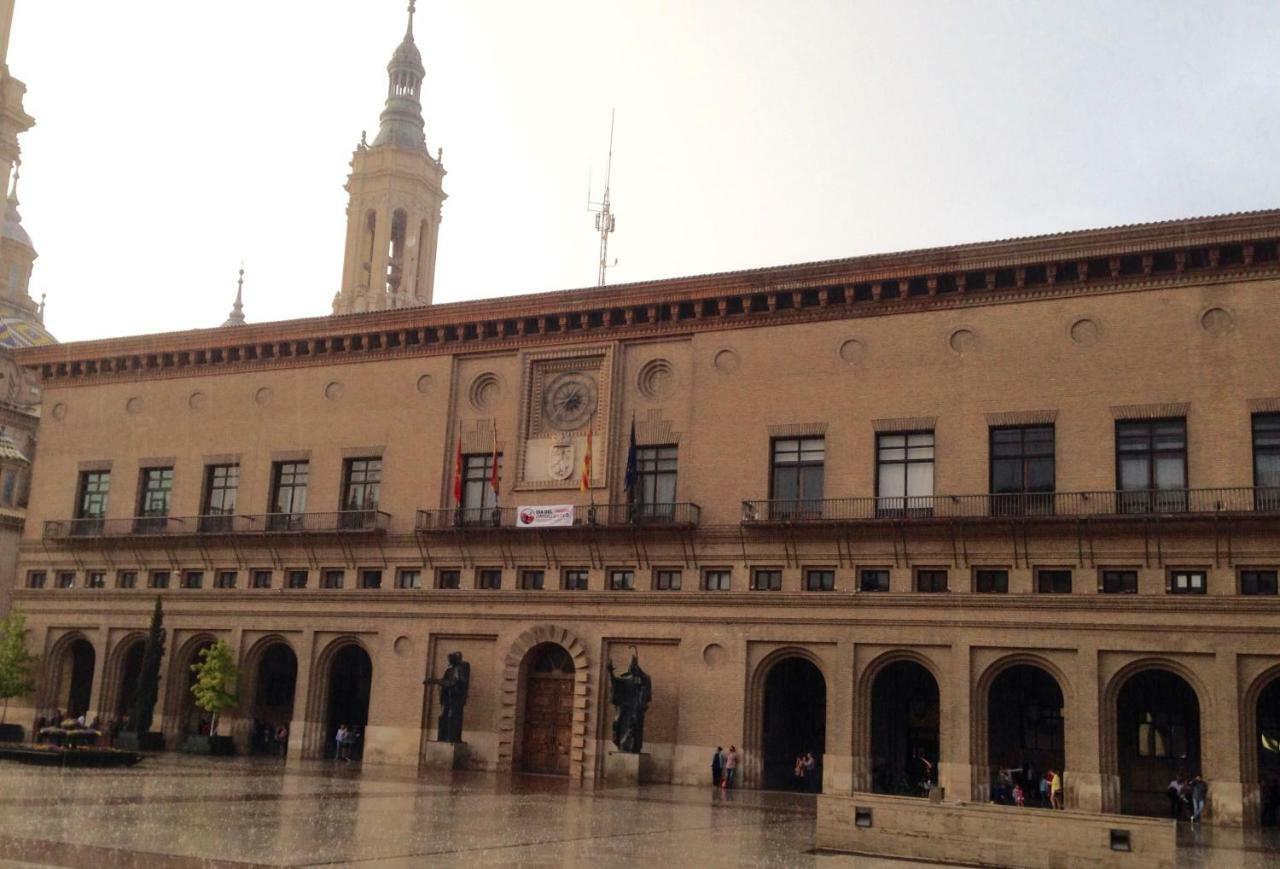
pixel 548 711
pixel 795 723
pixel 78 678
pixel 904 730
pixel 350 679
pixel 130 671
pixel 1158 739
pixel 1025 737
pixel 1268 746
pixel 193 721
pixel 276 679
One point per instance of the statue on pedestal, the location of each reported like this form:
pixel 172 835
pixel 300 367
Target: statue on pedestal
pixel 631 693
pixel 453 696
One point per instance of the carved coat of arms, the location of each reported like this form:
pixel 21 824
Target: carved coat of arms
pixel 560 461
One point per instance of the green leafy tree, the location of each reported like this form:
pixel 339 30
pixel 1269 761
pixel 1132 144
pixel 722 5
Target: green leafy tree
pixel 215 686
pixel 144 702
pixel 15 661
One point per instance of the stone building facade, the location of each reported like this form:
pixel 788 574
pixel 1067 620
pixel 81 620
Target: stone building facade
pixel 928 515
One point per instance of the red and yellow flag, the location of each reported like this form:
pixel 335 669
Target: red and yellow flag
pixel 457 471
pixel 586 465
pixel 493 473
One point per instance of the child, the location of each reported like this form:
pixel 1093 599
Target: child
pixel 1019 798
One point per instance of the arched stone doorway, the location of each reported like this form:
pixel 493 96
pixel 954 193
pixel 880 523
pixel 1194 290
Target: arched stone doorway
pixel 905 743
pixel 1025 731
pixel 275 678
pixel 73 677
pixel 127 687
pixel 190 719
pixel 546 722
pixel 350 681
pixel 1267 745
pixel 1157 738
pixel 793 723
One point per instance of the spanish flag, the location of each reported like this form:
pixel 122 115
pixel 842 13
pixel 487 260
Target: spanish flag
pixel 457 471
pixel 586 465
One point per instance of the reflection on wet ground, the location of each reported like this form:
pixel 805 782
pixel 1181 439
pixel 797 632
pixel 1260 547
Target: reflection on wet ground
pixel 178 812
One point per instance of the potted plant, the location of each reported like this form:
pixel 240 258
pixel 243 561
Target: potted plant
pixel 139 734
pixel 15 669
pixel 215 693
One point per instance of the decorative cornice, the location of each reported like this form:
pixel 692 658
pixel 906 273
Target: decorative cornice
pixel 1126 259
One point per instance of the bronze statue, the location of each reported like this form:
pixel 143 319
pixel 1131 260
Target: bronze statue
pixel 631 693
pixel 453 696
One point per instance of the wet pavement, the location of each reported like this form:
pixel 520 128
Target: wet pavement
pixel 179 812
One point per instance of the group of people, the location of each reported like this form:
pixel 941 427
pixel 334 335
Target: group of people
pixel 348 743
pixel 806 773
pixel 270 739
pixel 1187 798
pixel 724 767
pixel 1016 786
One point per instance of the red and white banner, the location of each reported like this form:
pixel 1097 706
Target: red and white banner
pixel 555 516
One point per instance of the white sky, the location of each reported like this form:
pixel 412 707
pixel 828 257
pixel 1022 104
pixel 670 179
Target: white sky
pixel 174 139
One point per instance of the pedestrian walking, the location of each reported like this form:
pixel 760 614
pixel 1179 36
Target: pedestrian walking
pixel 717 766
pixel 730 767
pixel 1199 794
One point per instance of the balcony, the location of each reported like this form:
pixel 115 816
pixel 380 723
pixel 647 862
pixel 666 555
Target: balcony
pixel 169 527
pixel 677 515
pixel 1039 505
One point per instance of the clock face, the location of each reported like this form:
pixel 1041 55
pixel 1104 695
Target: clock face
pixel 569 400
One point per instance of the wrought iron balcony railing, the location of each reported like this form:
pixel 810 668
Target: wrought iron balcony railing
pixel 344 521
pixel 1145 502
pixel 682 514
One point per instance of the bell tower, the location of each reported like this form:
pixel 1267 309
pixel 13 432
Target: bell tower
pixel 396 193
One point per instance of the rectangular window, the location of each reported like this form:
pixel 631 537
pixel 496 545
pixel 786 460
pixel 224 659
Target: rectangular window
pixel 10 487
pixel 95 579
pixel 333 578
pixel 575 579
pixel 717 579
pixel 288 495
pixel 796 477
pixel 622 579
pixel 35 579
pixel 1022 470
pixel 409 578
pixel 261 579
pixel 66 579
pixel 361 487
pixel 1151 465
pixel 1266 461
pixel 1256 581
pixel 819 579
pixel 449 578
pixel 225 579
pixel 766 579
pixel 295 579
pixel 91 501
pixel 532 580
pixel 221 486
pixel 873 579
pixel 478 497
pixel 904 474
pixel 931 580
pixel 655 489
pixel 667 580
pixel 126 579
pixel 489 578
pixel 371 578
pixel 1053 581
pixel 158 579
pixel 193 579
pixel 1162 733
pixel 1188 582
pixel 155 486
pixel 1119 581
pixel 991 580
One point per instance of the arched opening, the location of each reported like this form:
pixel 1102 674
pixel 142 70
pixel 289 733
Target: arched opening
pixel 1025 735
pixel 1268 746
pixel 395 250
pixel 350 679
pixel 904 730
pixel 794 724
pixel 275 681
pixel 130 671
pixel 192 720
pixel 1157 739
pixel 547 720
pixel 75 678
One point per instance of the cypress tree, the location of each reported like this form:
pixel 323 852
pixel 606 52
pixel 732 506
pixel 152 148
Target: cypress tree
pixel 144 704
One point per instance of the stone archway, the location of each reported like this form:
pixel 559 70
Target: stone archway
pixel 786 718
pixel 1155 714
pixel 904 728
pixel 270 681
pixel 512 702
pixel 182 717
pixel 347 664
pixel 120 684
pixel 69 676
pixel 1260 749
pixel 1019 726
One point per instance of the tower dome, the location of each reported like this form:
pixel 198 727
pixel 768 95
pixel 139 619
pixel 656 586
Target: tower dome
pixel 401 124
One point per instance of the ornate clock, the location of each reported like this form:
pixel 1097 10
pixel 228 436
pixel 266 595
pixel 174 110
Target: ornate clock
pixel 569 400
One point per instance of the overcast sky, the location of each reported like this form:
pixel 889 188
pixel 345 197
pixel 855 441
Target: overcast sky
pixel 174 139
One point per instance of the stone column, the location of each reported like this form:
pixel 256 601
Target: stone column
pixel 306 739
pixel 955 768
pixel 1220 743
pixel 837 762
pixel 100 654
pixel 1086 790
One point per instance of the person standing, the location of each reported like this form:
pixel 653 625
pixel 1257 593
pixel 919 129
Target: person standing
pixel 339 742
pixel 811 783
pixel 1199 793
pixel 717 766
pixel 1175 798
pixel 1055 789
pixel 1019 798
pixel 730 767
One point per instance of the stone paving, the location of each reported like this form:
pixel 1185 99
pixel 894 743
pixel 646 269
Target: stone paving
pixel 177 812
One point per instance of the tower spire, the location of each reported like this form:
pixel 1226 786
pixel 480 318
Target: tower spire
pixel 236 318
pixel 413 7
pixel 401 123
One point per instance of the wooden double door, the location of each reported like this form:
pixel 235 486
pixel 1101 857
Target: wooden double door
pixel 548 712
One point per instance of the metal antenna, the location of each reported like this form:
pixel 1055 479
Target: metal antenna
pixel 605 221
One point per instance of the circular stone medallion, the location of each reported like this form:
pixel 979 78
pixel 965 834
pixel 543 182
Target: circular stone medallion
pixel 963 341
pixel 1085 332
pixel 263 396
pixel 727 362
pixel 424 384
pixel 1217 321
pixel 853 351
